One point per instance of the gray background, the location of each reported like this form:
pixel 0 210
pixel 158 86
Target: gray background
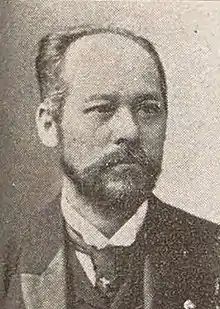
pixel 187 36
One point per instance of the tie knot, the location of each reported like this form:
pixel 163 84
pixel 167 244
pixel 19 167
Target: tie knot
pixel 111 265
pixel 117 256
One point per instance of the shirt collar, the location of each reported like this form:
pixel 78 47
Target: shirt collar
pixel 125 236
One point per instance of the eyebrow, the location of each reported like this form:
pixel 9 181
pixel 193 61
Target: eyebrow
pixel 104 96
pixel 148 96
pixel 114 97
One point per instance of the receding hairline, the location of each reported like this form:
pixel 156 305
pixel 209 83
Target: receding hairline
pixel 107 45
pixel 71 35
pixel 53 47
pixel 108 36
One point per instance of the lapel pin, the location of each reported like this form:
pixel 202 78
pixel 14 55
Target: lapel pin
pixel 189 304
pixel 104 282
pixel 217 286
pixel 217 293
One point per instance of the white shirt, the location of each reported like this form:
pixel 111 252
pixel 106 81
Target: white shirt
pixel 125 236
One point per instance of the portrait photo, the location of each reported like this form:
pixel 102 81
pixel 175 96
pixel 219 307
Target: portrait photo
pixel 110 154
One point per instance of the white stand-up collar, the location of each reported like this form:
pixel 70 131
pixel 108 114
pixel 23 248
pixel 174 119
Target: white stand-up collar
pixel 125 236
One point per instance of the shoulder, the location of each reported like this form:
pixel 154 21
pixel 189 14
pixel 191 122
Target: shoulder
pixel 44 219
pixel 43 237
pixel 40 220
pixel 184 232
pixel 33 240
pixel 184 251
pixel 188 223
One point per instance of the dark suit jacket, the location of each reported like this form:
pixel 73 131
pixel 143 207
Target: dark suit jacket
pixel 183 252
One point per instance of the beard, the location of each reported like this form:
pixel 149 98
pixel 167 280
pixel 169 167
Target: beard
pixel 121 180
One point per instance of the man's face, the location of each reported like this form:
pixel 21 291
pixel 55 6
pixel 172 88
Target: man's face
pixel 114 119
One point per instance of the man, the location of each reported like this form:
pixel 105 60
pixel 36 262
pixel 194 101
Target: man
pixel 107 241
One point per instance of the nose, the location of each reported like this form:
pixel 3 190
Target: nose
pixel 124 129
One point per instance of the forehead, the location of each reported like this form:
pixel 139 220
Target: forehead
pixel 109 61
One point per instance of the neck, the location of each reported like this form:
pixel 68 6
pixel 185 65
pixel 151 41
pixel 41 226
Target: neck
pixel 105 219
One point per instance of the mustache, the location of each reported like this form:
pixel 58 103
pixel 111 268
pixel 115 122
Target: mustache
pixel 125 155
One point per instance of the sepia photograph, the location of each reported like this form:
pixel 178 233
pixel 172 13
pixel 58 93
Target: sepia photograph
pixel 110 154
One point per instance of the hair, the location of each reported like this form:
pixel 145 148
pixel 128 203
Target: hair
pixel 52 49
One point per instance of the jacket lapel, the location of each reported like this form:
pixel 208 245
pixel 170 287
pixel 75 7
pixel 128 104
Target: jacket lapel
pixel 43 260
pixel 46 291
pixel 181 272
pixel 182 259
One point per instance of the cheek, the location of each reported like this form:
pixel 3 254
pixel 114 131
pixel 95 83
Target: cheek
pixel 74 125
pixel 83 138
pixel 153 137
pixel 85 134
pixel 83 127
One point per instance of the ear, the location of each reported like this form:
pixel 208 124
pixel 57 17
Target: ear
pixel 46 125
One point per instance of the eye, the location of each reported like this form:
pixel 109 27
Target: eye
pixel 104 109
pixel 148 107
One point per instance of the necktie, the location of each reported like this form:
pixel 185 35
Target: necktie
pixel 111 264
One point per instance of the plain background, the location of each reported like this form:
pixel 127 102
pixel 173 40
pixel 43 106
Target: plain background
pixel 186 35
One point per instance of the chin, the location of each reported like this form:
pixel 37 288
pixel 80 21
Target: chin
pixel 119 189
pixel 126 192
